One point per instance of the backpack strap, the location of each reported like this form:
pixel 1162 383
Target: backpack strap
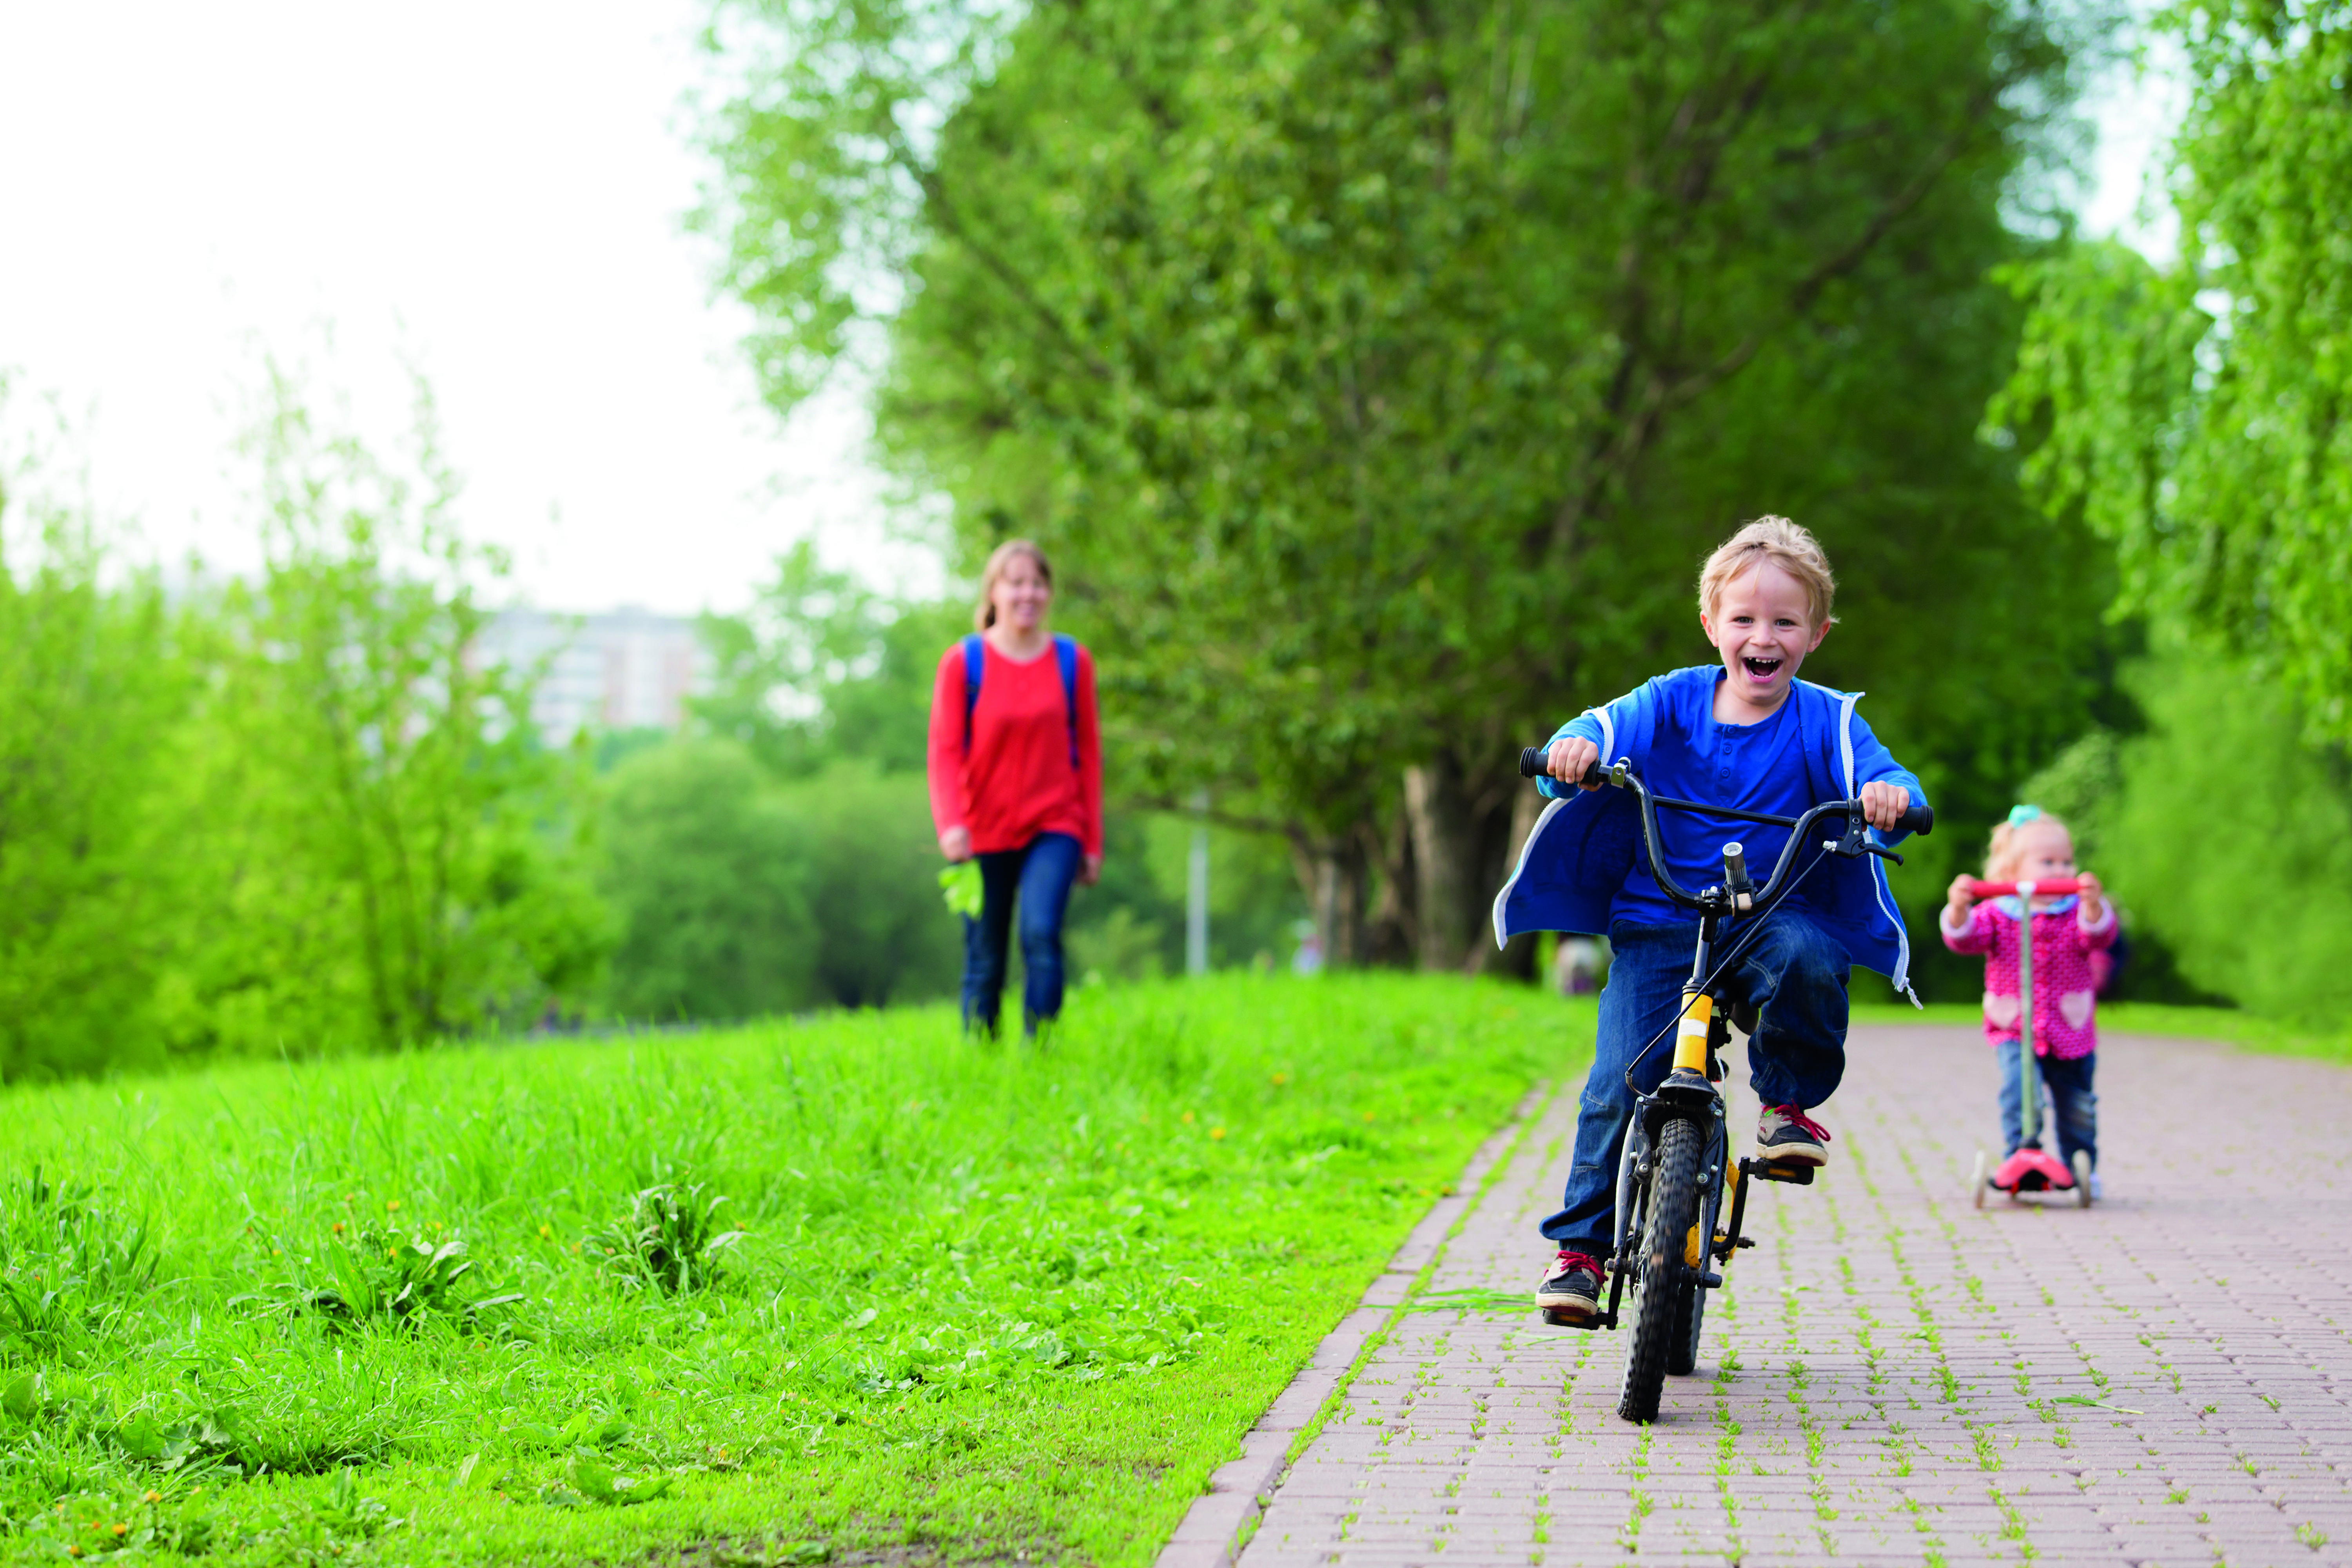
pixel 1065 655
pixel 975 660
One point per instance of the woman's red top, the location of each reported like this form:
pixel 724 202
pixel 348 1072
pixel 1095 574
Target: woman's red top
pixel 1017 782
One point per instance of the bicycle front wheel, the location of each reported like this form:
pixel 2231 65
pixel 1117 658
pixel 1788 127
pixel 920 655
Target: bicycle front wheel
pixel 1663 1280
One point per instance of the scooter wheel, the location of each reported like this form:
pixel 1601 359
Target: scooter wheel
pixel 2081 1179
pixel 1976 1181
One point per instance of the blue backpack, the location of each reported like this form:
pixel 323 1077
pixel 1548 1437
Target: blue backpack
pixel 1065 656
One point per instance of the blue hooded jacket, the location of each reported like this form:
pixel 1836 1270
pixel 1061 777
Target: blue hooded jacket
pixel 1582 849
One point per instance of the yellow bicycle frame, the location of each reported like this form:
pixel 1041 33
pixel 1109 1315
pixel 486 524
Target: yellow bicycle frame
pixel 1690 1035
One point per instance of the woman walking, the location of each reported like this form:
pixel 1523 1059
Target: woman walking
pixel 1016 781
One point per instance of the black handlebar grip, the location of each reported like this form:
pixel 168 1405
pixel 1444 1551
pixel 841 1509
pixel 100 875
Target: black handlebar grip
pixel 1919 819
pixel 1532 765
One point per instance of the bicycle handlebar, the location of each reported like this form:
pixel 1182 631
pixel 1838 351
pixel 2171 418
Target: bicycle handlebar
pixel 1919 818
pixel 2056 886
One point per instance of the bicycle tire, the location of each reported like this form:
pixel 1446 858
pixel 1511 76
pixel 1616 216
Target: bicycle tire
pixel 1690 1320
pixel 1690 1313
pixel 1663 1280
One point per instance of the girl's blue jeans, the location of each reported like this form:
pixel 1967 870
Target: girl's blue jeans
pixel 1794 974
pixel 2069 1105
pixel 1037 880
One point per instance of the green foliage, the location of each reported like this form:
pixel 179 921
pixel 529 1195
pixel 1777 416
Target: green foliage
pixel 2210 447
pixel 64 1260
pixel 934 1306
pixel 2080 787
pixel 385 1277
pixel 2191 415
pixel 961 891
pixel 2233 840
pixel 284 815
pixel 708 877
pixel 386 836
pixel 671 1237
pixel 882 937
pixel 92 681
pixel 1380 372
pixel 822 668
pixel 737 894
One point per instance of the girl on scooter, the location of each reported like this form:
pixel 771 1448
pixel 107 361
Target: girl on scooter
pixel 2035 847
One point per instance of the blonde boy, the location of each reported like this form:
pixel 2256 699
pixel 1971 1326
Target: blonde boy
pixel 1744 733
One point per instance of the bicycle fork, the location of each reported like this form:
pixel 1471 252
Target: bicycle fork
pixel 1689 1092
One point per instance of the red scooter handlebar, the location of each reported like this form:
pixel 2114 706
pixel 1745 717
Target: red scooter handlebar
pixel 2059 886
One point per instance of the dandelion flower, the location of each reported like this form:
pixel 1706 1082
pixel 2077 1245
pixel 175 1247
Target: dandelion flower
pixel 122 1529
pixel 1368 1116
pixel 152 1496
pixel 337 1228
pixel 1280 1078
pixel 1188 1119
pixel 391 1206
pixel 1217 1134
pixel 545 1231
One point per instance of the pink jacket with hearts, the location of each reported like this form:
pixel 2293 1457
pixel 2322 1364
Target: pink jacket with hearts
pixel 2063 989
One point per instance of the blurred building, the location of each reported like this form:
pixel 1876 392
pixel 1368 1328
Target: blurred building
pixel 625 670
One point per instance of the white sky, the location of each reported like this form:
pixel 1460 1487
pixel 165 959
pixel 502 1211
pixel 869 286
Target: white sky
pixel 491 192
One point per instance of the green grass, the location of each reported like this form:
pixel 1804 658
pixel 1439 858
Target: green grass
pixel 2246 1030
pixel 990 1301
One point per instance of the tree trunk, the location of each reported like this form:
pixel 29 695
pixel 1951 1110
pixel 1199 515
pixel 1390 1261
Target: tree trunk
pixel 1392 935
pixel 1333 871
pixel 1445 861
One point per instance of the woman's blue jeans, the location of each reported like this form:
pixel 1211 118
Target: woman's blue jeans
pixel 2070 1104
pixel 1794 974
pixel 1037 878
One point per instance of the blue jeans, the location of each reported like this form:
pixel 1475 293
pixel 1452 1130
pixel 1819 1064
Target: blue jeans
pixel 1793 973
pixel 2069 1105
pixel 1039 877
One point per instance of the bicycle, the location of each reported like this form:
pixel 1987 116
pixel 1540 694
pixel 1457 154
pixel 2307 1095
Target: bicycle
pixel 1677 1167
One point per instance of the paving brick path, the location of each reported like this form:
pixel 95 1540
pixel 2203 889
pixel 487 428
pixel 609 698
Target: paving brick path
pixel 1890 1376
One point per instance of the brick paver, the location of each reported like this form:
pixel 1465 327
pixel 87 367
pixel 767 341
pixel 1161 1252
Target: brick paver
pixel 1890 1376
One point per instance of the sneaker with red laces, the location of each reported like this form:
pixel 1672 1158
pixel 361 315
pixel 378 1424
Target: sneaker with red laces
pixel 1785 1135
pixel 1569 1292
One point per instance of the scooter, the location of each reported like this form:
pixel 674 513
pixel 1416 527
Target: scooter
pixel 2031 1169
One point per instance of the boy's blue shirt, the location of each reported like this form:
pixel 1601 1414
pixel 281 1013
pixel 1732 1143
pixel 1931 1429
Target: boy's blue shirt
pixel 1582 868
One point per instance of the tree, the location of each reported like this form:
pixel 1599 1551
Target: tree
pixel 388 854
pixel 1382 370
pixel 821 666
pixel 2211 447
pixel 90 685
pixel 708 879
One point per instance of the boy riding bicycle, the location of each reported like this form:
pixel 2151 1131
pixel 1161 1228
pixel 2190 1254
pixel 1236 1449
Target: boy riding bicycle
pixel 1748 736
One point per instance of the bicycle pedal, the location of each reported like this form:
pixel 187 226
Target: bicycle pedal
pixel 1772 1171
pixel 1554 1319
